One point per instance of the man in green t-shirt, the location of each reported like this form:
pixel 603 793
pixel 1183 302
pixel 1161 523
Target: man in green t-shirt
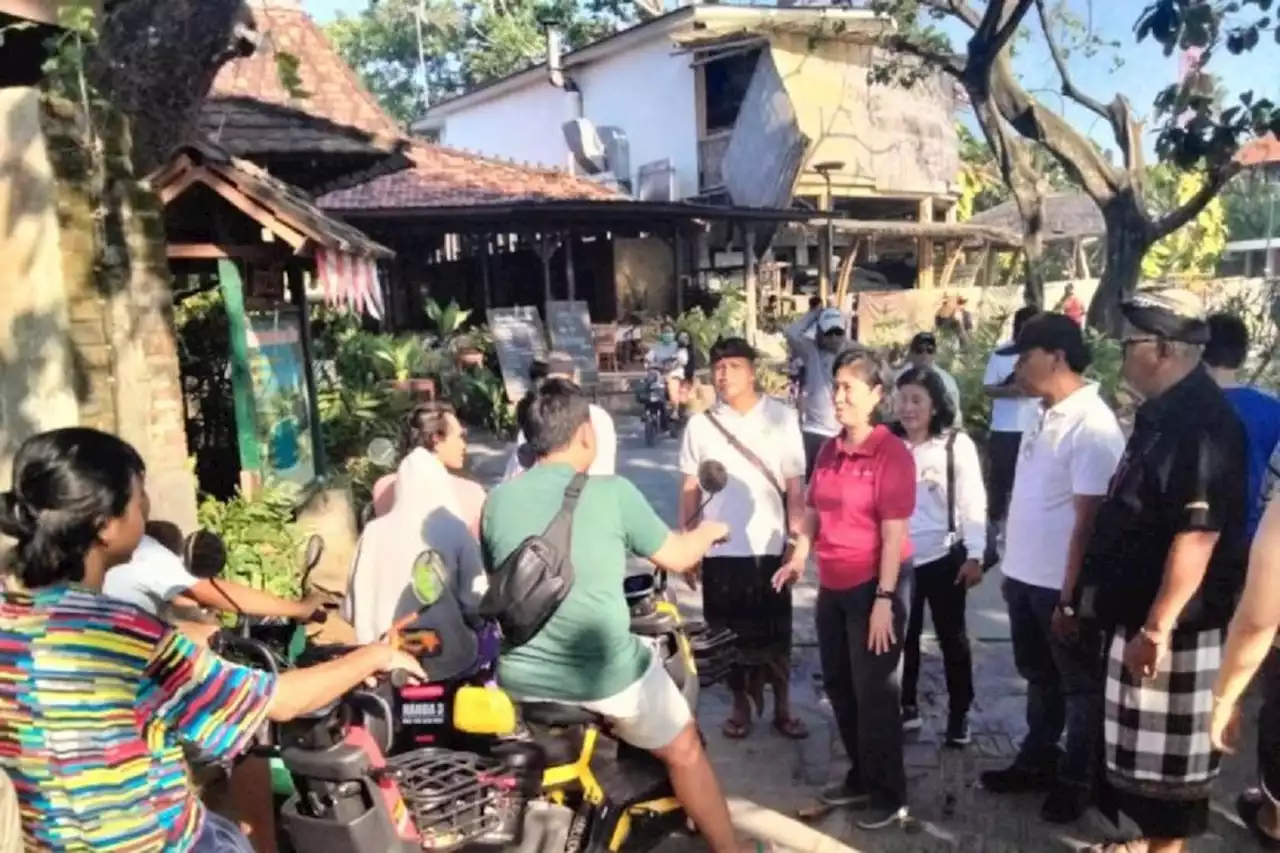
pixel 586 654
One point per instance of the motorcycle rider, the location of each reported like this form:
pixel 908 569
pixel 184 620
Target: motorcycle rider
pixel 585 654
pixel 672 359
pixel 818 415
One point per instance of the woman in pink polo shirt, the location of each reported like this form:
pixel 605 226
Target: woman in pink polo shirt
pixel 861 496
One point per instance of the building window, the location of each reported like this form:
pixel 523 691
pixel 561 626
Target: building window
pixel 726 81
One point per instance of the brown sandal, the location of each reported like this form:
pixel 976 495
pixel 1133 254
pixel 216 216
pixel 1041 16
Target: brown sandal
pixel 736 729
pixel 792 727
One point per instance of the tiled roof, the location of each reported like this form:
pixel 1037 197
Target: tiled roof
pixel 249 110
pixel 434 176
pixel 268 200
pixel 1260 152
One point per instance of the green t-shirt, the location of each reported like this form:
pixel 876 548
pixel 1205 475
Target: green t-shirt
pixel 586 651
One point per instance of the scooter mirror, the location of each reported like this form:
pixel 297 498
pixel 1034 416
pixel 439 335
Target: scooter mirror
pixel 382 452
pixel 712 477
pixel 204 553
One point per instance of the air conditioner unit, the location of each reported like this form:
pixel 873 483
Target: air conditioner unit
pixel 656 181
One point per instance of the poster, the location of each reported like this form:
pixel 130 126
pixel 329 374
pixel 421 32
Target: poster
pixel 519 339
pixel 285 435
pixel 572 333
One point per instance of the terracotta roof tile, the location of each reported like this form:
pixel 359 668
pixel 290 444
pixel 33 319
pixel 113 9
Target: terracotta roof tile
pixel 1260 152
pixel 249 109
pixel 436 176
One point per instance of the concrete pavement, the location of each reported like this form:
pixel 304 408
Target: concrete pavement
pixel 770 777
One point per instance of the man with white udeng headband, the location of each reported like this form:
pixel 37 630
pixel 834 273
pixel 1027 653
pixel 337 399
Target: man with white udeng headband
pixel 757 439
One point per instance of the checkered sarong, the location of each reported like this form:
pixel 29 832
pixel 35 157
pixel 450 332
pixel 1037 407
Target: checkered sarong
pixel 1157 730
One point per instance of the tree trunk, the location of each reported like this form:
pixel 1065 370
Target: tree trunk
pixel 1127 240
pixel 1033 268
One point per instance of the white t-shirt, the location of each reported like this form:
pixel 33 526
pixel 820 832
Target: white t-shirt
pixel 930 536
pixel 749 503
pixel 1010 414
pixel 1073 450
pixel 154 576
pixel 606 447
pixel 948 382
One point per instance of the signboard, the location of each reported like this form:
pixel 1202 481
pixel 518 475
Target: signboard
pixel 519 339
pixel 282 424
pixel 570 326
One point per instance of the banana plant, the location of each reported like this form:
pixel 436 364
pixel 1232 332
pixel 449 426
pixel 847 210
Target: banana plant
pixel 447 320
pixel 404 357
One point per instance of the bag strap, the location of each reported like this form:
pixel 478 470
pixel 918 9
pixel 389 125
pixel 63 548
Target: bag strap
pixel 951 484
pixel 748 455
pixel 561 526
pixel 573 491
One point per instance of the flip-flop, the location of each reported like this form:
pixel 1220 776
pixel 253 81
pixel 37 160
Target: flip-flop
pixel 736 729
pixel 814 811
pixel 792 727
pixel 1248 805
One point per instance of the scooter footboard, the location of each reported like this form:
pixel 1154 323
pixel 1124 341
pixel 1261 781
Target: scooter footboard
pixel 713 651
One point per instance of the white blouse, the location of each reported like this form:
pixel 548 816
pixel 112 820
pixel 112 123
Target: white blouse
pixel 929 534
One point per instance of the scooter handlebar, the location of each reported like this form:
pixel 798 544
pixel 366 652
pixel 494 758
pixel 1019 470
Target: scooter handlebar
pixel 225 643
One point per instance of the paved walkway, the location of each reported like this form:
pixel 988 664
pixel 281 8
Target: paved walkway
pixel 769 777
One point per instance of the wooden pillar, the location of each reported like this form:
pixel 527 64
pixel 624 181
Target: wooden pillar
pixel 825 249
pixel 545 250
pixel 570 281
pixel 677 249
pixel 749 280
pixel 298 296
pixel 486 251
pixel 924 248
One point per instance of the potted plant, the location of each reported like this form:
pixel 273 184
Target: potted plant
pixel 406 359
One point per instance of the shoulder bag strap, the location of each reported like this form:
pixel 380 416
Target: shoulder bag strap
pixel 748 455
pixel 563 519
pixel 951 484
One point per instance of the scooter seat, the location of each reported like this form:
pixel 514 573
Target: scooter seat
pixel 556 714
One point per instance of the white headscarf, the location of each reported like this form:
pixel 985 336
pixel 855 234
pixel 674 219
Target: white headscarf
pixel 425 524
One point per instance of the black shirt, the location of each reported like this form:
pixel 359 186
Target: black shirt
pixel 1183 470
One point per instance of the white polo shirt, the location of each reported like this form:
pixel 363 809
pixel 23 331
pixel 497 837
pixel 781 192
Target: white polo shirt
pixel 153 577
pixel 749 503
pixel 1009 414
pixel 1072 450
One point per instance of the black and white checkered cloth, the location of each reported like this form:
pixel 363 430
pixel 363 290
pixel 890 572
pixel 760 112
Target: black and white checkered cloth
pixel 1157 730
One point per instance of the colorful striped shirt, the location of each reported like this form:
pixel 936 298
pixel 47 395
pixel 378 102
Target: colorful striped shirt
pixel 96 698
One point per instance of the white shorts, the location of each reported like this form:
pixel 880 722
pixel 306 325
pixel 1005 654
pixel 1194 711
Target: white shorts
pixel 649 714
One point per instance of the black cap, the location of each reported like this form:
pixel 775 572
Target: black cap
pixel 1175 315
pixel 732 348
pixel 1052 332
pixel 924 342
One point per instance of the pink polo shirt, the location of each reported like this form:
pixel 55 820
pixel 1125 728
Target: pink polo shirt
pixel 853 489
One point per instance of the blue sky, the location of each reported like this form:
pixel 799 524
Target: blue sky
pixel 1144 72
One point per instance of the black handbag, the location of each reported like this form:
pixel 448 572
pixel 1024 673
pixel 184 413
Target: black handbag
pixel 528 587
pixel 958 551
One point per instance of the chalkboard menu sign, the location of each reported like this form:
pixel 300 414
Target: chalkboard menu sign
pixel 571 333
pixel 519 339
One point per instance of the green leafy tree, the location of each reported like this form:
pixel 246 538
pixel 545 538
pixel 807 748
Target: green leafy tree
pixel 461 44
pixel 1195 248
pixel 1196 130
pixel 1248 207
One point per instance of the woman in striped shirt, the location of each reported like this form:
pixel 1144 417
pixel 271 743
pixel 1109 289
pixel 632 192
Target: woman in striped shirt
pixel 96 696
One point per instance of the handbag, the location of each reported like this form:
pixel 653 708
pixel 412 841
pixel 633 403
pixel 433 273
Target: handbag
pixel 957 550
pixel 528 587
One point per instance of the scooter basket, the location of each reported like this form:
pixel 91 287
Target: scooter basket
pixel 460 798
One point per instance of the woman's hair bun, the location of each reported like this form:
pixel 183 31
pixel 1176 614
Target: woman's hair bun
pixel 16 518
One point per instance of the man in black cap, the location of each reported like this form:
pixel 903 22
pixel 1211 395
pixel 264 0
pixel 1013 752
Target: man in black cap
pixel 1066 461
pixel 1162 573
pixel 923 353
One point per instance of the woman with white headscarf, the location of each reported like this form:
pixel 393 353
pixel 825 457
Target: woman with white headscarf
pixel 420 562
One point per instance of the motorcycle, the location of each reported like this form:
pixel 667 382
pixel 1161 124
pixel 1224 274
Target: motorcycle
pixel 535 777
pixel 658 415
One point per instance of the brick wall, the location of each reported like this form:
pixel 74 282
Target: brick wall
pixel 120 305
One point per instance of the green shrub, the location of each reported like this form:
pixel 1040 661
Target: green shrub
pixel 264 545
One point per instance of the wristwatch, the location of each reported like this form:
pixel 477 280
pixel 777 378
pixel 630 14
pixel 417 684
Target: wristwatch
pixel 886 594
pixel 1067 609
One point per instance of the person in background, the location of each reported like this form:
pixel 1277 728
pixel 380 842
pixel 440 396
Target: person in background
pixel 107 771
pixel 816 338
pixel 1013 412
pixel 1071 305
pixel 434 427
pixel 1066 463
pixel 1224 355
pixel 861 498
pixel 560 365
pixel 923 353
pixel 671 359
pixel 1251 639
pixel 585 654
pixel 948 535
pixel 757 439
pixel 1162 572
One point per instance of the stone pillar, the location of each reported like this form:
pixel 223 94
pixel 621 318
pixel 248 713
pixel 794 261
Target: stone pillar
pixel 118 286
pixel 37 372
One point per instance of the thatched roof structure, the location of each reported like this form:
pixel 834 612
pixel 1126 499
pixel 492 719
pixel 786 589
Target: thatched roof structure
pixel 1067 216
pixel 966 234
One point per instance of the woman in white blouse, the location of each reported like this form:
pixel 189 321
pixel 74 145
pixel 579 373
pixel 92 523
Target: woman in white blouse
pixel 948 534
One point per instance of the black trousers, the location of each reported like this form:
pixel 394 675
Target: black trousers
pixel 863 688
pixel 1002 461
pixel 935 585
pixel 1269 727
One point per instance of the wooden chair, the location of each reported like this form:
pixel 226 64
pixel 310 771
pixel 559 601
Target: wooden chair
pixel 606 339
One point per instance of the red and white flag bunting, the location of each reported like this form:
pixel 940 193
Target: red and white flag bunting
pixel 349 281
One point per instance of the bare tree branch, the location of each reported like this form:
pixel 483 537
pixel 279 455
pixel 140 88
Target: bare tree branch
pixel 1215 180
pixel 1069 88
pixel 958 9
pixel 948 63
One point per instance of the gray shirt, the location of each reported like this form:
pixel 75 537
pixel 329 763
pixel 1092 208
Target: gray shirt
pixel 818 409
